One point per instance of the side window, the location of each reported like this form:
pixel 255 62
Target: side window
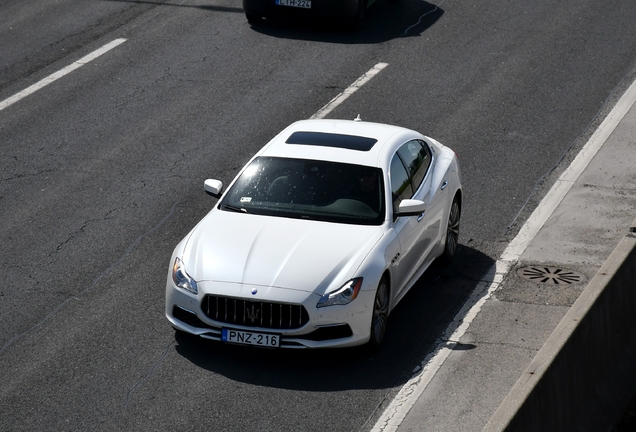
pixel 425 154
pixel 417 157
pixel 400 183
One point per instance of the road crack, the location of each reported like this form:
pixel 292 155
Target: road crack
pixel 422 17
pixel 147 374
pixel 92 285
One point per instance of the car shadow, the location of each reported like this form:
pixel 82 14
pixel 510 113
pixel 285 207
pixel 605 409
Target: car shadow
pixel 385 20
pixel 414 327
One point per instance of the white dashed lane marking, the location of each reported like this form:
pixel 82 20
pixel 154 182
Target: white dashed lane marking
pixel 59 74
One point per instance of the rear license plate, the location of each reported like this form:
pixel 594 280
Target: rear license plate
pixel 250 338
pixel 305 4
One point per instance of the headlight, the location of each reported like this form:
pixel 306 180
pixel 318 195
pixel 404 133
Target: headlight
pixel 181 278
pixel 343 295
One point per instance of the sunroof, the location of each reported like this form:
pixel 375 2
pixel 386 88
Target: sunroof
pixel 323 139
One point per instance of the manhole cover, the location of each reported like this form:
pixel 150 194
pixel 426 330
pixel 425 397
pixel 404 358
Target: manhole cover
pixel 551 275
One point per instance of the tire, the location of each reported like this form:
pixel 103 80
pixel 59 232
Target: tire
pixel 179 333
pixel 182 337
pixel 356 23
pixel 452 231
pixel 380 314
pixel 253 19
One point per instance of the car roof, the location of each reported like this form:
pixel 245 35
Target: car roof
pixel 348 141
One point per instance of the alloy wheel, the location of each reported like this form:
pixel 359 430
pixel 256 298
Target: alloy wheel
pixel 452 232
pixel 380 314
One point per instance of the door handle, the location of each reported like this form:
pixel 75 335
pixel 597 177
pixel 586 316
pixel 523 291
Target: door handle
pixel 444 184
pixel 419 218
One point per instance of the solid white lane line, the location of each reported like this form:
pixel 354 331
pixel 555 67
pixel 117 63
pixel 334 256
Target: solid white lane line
pixel 423 374
pixel 324 111
pixel 565 182
pixel 59 74
pixel 399 408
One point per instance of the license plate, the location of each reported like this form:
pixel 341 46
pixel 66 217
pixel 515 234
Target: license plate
pixel 306 4
pixel 250 338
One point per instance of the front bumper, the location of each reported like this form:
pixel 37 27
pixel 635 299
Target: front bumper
pixel 334 326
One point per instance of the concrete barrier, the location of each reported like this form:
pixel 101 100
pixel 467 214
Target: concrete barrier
pixel 583 375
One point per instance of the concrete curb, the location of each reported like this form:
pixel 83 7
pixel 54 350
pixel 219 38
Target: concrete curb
pixel 582 375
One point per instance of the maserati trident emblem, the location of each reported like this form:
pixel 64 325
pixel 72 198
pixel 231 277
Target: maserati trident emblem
pixel 252 314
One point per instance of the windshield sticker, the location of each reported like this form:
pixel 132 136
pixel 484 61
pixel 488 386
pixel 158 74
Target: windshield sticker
pixel 246 199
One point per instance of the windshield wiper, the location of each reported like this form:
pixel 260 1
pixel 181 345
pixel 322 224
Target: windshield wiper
pixel 234 208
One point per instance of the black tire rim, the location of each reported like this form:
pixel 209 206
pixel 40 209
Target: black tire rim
pixel 380 312
pixel 452 233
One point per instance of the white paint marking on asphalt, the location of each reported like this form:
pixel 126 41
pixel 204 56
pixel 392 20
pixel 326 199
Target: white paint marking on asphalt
pixel 569 176
pixel 324 111
pixel 59 74
pixel 399 408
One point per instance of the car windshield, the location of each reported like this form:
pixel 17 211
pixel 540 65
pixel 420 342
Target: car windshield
pixel 309 189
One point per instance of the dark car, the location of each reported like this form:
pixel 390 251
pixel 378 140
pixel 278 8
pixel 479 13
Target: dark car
pixel 350 12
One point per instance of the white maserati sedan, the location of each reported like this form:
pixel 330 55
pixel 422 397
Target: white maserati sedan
pixel 317 238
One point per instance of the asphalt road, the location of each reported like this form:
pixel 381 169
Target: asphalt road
pixel 102 174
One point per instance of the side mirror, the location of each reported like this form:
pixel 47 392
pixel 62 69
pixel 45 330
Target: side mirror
pixel 410 207
pixel 213 187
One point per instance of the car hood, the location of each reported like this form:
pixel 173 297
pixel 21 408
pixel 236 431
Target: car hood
pixel 274 251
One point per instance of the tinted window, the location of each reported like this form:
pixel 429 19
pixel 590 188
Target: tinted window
pixel 400 183
pixel 309 189
pixel 351 142
pixel 416 156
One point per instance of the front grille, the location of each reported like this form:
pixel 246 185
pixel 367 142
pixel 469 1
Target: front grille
pixel 253 313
